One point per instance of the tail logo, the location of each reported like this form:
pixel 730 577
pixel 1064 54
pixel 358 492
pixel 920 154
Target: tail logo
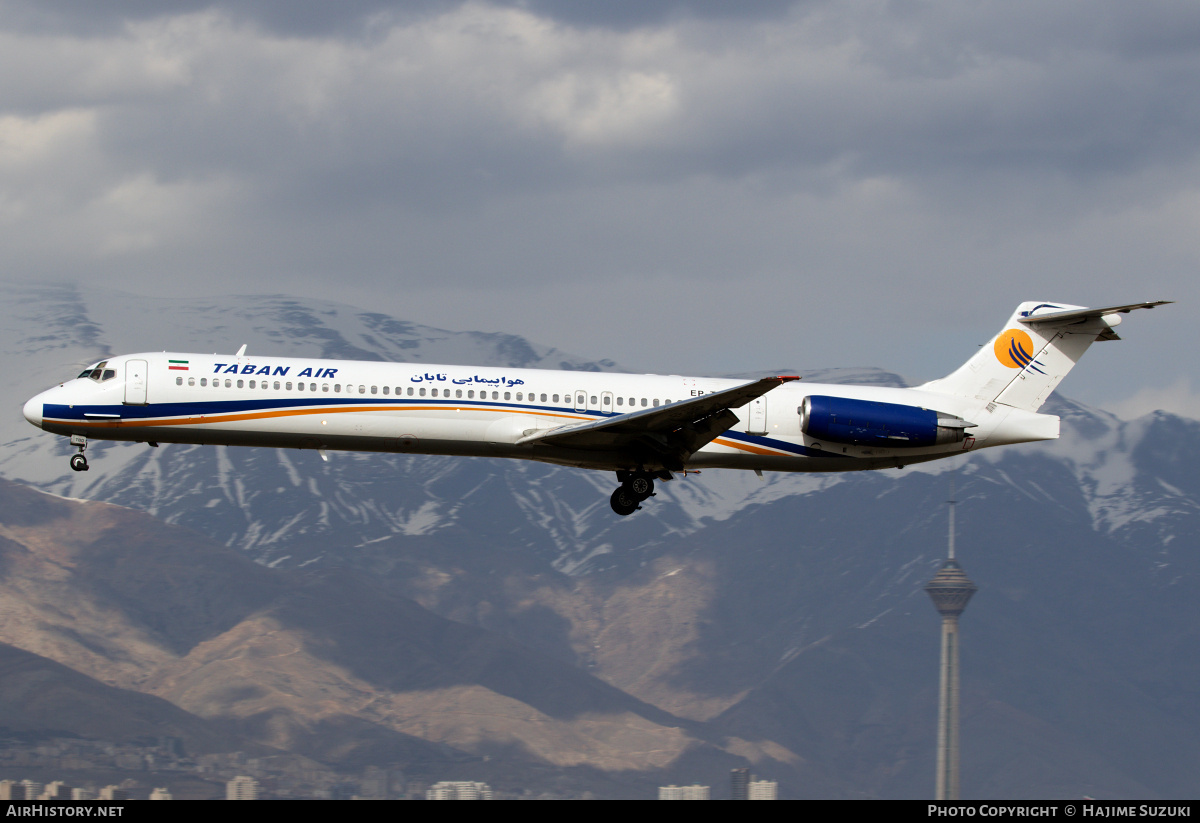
pixel 1014 349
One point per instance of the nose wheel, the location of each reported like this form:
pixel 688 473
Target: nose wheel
pixel 78 461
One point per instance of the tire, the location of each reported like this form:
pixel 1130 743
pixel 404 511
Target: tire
pixel 622 502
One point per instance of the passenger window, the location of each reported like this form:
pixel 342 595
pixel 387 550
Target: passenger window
pixel 312 386
pixel 228 383
pixel 495 395
pixel 288 386
pixel 471 393
pixel 644 403
pixel 386 389
pixel 253 384
pixel 362 389
pixel 374 390
pixel 325 387
pixel 178 381
pixel 555 400
pixel 519 395
pixel 410 391
pixel 458 392
pixel 241 384
pixel 620 401
pixel 433 392
pixel 543 398
pixel 422 391
pixel 191 381
pixel 337 388
pixel 656 401
pixel 508 395
pixel 203 381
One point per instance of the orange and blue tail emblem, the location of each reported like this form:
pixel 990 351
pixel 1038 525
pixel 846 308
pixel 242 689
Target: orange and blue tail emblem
pixel 1014 348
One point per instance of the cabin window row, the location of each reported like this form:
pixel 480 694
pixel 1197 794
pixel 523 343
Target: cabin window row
pixel 277 385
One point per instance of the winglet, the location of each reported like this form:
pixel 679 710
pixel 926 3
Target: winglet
pixel 241 351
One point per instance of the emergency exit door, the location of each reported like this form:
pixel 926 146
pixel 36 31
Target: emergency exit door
pixel 757 424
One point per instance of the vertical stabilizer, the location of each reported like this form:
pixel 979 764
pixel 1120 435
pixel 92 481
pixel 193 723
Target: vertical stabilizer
pixel 1031 355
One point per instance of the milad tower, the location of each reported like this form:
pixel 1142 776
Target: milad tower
pixel 950 590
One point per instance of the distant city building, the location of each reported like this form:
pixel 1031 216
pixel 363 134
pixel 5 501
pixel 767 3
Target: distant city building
pixel 12 790
pixel 241 788
pixel 58 790
pixel 740 783
pixel 161 794
pixel 113 793
pixel 82 794
pixel 33 789
pixel 763 790
pixel 693 792
pixel 458 790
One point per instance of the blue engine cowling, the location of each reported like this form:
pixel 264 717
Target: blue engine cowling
pixel 885 425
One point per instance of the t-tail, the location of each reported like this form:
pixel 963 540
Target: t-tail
pixel 1033 353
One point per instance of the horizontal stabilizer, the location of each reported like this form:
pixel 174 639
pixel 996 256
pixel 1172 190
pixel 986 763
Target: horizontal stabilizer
pixel 1070 318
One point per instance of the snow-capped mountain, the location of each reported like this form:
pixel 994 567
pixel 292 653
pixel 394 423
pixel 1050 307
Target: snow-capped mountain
pixel 788 608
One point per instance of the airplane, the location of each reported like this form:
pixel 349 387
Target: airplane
pixel 646 428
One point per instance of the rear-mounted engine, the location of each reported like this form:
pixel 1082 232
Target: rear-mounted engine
pixel 885 425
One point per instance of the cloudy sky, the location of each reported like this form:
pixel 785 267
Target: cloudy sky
pixel 696 187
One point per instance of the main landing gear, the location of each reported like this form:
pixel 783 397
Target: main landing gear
pixel 78 461
pixel 635 487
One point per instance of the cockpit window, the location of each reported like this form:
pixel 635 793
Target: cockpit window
pixel 99 373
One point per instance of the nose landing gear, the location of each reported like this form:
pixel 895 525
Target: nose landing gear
pixel 635 487
pixel 78 461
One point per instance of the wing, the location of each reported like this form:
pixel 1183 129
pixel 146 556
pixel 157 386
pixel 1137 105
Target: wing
pixel 672 432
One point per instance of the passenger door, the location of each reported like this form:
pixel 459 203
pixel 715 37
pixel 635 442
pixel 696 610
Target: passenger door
pixel 135 382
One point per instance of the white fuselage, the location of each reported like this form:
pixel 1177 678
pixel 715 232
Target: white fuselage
pixel 461 410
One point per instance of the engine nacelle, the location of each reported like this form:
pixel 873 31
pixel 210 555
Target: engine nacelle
pixel 885 425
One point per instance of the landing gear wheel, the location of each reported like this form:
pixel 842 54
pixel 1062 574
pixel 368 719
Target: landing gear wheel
pixel 622 502
pixel 640 486
pixel 79 463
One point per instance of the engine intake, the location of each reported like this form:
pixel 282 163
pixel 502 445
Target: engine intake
pixel 886 425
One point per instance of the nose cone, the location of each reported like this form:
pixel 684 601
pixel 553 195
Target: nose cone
pixel 33 411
